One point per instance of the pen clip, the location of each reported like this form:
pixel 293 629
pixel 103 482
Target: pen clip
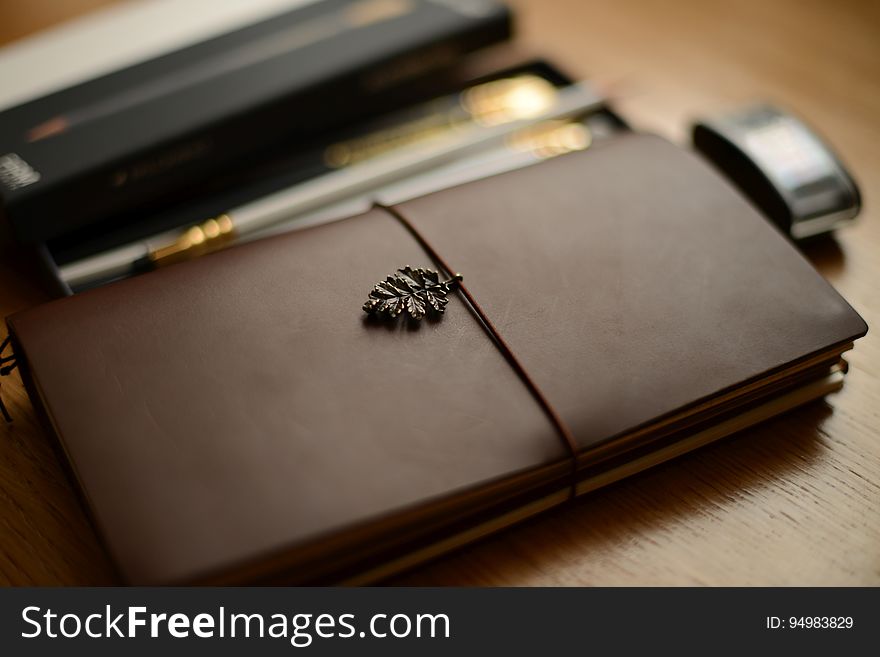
pixel 207 237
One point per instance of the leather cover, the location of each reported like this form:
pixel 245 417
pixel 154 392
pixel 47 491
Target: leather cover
pixel 233 411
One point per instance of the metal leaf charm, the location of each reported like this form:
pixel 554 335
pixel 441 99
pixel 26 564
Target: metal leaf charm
pixel 416 292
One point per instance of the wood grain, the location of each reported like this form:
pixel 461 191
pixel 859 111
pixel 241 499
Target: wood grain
pixel 793 502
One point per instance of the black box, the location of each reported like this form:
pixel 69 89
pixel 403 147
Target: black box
pixel 140 138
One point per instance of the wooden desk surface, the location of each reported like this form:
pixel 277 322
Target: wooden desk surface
pixel 795 501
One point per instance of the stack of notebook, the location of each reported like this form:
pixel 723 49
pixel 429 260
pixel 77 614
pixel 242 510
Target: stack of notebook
pixel 239 418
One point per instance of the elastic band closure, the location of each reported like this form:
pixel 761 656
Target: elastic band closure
pixel 7 364
pixel 562 429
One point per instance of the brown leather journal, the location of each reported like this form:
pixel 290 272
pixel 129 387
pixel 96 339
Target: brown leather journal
pixel 239 418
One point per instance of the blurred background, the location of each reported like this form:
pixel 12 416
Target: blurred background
pixel 666 63
pixel 681 56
